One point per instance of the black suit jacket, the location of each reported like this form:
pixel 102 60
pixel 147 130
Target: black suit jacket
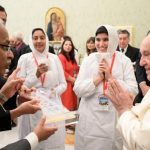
pixel 25 50
pixel 5 119
pixel 140 76
pixel 51 50
pixel 132 53
pixel 5 124
pixel 19 145
pixel 22 48
pixel 11 103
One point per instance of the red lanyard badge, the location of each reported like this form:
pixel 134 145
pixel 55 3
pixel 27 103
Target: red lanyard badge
pixel 111 66
pixel 42 77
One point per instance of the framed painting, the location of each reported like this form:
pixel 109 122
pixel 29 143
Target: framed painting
pixel 129 29
pixel 55 24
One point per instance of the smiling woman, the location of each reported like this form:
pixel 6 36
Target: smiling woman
pixel 97 116
pixel 39 39
pixel 43 71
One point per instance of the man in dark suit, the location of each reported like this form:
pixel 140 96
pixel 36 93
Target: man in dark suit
pixel 125 47
pixel 29 107
pixel 41 132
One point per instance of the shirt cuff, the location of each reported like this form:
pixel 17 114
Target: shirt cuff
pixel 142 82
pixel 126 116
pixel 33 140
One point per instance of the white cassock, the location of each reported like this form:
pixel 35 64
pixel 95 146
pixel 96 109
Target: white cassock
pixel 134 126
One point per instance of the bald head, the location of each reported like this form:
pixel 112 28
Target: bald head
pixel 12 41
pixel 146 42
pixel 145 55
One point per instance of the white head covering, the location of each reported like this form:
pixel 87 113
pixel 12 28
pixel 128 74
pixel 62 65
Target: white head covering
pixel 35 51
pixel 113 38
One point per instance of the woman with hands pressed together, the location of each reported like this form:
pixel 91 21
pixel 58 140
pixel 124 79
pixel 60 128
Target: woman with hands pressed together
pixel 96 128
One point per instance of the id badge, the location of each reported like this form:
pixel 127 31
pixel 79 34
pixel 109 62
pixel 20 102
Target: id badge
pixel 103 102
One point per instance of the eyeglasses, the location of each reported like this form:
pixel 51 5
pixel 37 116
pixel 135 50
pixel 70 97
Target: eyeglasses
pixel 5 47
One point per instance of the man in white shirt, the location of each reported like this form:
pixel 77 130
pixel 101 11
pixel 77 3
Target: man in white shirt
pixel 134 121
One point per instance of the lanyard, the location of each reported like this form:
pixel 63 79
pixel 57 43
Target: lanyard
pixel 42 77
pixel 111 66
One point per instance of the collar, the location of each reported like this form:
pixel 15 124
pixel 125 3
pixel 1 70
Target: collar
pixel 125 50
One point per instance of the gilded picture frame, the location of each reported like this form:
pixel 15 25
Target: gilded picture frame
pixel 55 24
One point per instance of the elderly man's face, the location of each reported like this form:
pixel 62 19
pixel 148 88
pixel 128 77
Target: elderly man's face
pixel 123 40
pixel 4 42
pixel 12 41
pixel 145 52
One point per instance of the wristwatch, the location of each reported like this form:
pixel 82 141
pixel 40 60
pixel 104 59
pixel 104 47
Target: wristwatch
pixel 3 97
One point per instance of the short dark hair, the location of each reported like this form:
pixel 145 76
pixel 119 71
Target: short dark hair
pixel 101 30
pixel 36 29
pixel 3 9
pixel 124 31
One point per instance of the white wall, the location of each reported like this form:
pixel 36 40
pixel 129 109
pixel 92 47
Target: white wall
pixel 82 16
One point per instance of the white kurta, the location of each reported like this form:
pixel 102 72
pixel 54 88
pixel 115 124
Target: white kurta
pixel 54 79
pixel 134 126
pixel 96 129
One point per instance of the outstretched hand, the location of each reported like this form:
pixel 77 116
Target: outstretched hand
pixel 42 131
pixel 12 85
pixel 26 94
pixel 29 107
